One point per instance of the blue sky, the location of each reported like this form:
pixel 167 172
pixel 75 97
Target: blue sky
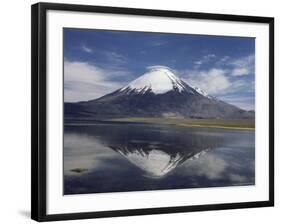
pixel 97 62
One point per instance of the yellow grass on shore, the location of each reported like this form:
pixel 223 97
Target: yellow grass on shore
pixel 237 124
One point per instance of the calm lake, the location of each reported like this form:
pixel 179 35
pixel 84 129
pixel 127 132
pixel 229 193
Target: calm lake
pixel 113 157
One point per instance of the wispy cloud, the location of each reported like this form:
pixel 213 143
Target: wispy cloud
pixel 107 55
pixel 114 57
pixel 84 81
pixel 239 66
pixel 223 60
pixel 157 43
pixel 205 59
pixel 86 49
pixel 243 66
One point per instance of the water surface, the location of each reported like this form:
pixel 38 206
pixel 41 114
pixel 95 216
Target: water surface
pixel 113 157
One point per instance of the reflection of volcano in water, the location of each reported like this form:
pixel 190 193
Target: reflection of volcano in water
pixel 105 157
pixel 155 162
pixel 154 149
pixel 159 153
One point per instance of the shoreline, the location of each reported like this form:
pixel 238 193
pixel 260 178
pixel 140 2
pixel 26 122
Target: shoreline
pixel 191 123
pixel 217 126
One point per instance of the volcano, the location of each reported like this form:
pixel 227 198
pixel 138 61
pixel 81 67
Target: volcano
pixel 157 93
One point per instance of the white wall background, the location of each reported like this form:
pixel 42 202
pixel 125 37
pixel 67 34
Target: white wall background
pixel 15 109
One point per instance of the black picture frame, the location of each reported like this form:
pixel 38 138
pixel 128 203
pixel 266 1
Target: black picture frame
pixel 39 107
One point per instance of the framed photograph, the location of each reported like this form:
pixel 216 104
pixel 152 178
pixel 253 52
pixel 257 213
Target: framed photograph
pixel 139 111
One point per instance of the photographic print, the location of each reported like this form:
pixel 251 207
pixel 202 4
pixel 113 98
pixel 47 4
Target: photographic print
pixel 132 106
pixel 157 111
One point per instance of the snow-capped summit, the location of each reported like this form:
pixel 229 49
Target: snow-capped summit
pixel 158 80
pixel 158 92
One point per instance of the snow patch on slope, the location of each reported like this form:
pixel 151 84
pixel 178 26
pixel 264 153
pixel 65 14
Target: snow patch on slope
pixel 202 92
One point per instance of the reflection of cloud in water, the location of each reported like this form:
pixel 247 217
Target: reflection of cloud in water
pixel 126 157
pixel 234 165
pixel 237 178
pixel 209 166
pixel 156 151
pixel 86 152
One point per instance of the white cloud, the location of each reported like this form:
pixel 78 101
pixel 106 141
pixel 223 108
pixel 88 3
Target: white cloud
pixel 81 71
pixel 225 78
pixel 198 62
pixel 238 66
pixel 212 81
pixel 79 91
pixel 225 58
pixel 84 81
pixel 240 71
pixel 244 61
pixel 87 49
pixel 243 66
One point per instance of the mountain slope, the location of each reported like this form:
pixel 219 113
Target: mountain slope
pixel 158 92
